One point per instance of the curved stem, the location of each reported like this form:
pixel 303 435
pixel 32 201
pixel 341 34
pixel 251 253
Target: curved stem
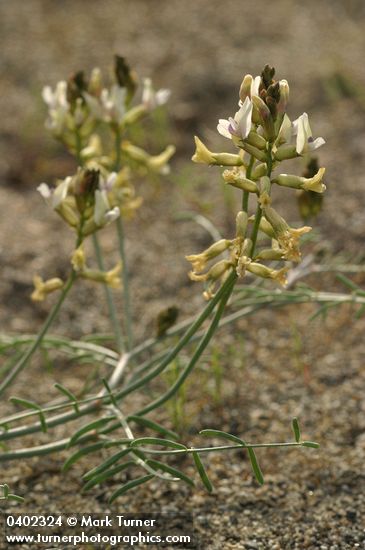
pixel 197 354
pixel 23 361
pixel 92 407
pixel 182 342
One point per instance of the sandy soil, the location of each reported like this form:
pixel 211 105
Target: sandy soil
pixel 278 365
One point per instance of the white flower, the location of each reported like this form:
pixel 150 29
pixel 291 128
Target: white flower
pixel 304 138
pixel 152 99
pixel 58 97
pixel 240 125
pixel 55 197
pixel 110 106
pixel 58 107
pixel 103 214
pixel 285 132
pixel 107 184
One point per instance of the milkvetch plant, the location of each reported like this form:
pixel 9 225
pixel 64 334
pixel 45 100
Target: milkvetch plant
pixel 102 192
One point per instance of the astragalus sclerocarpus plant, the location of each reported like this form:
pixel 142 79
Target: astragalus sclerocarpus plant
pixel 102 192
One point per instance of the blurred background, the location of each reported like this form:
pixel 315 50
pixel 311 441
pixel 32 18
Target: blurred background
pixel 200 50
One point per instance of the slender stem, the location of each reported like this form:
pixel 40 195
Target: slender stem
pixel 182 342
pixel 99 258
pixel 123 257
pixel 92 407
pixel 277 300
pixel 246 194
pixel 255 229
pixel 221 448
pixel 125 277
pixel 258 215
pixel 109 297
pixel 63 444
pixel 197 354
pixel 23 361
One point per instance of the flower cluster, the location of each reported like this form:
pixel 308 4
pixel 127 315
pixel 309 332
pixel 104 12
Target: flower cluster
pixel 78 106
pixel 82 200
pixel 265 136
pixel 102 188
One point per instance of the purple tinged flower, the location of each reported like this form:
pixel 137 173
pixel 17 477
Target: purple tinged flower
pixel 304 138
pixel 239 126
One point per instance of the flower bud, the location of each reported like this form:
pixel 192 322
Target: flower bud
pixel 286 152
pixel 256 140
pixel 245 89
pixel 236 178
pixel 270 254
pixel 284 97
pixel 268 273
pixel 259 171
pixel 95 83
pixel 257 153
pixel 266 119
pixel 125 77
pixel 241 224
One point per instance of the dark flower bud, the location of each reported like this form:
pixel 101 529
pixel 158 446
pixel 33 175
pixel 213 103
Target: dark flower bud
pixel 267 76
pixel 76 85
pixel 124 76
pixel 86 183
pixel 166 319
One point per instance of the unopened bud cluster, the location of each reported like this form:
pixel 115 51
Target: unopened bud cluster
pixel 102 189
pixel 264 137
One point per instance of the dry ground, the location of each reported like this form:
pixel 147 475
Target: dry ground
pixel 280 365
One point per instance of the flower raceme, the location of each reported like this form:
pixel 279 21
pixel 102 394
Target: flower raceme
pixel 82 200
pixel 264 136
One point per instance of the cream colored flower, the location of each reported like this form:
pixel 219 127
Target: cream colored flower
pixel 204 156
pixel 314 183
pixel 199 261
pixel 43 288
pixel 110 278
pixel 78 260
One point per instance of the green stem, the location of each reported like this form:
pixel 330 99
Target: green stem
pixel 109 297
pixel 246 194
pixel 92 407
pixel 182 342
pixel 99 258
pixel 123 257
pixel 62 444
pixel 258 215
pixel 197 354
pixel 255 229
pixel 125 277
pixel 26 357
pixel 221 448
pixel 272 300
